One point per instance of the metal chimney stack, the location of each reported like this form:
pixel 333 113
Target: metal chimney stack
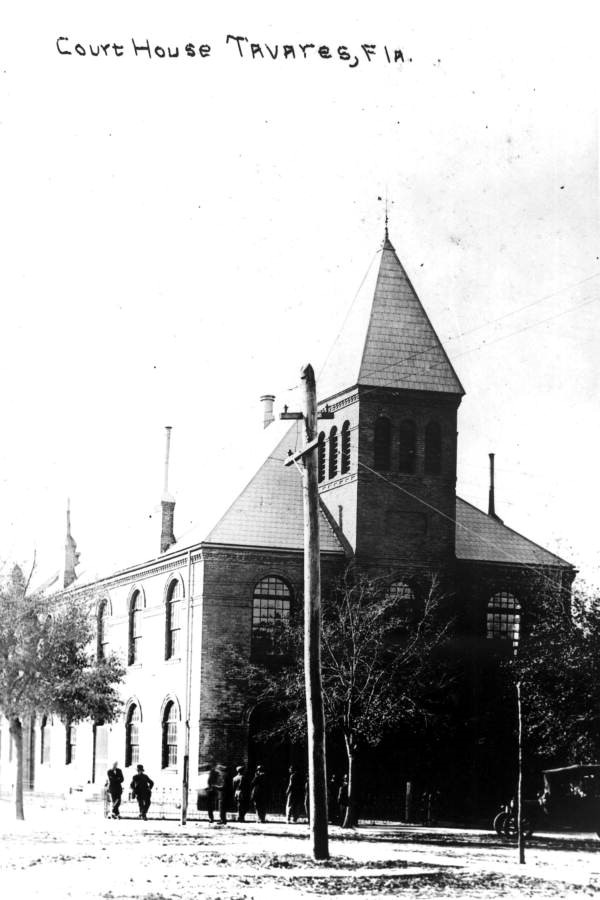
pixel 167 537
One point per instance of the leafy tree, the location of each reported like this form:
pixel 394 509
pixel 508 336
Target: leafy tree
pixel 559 667
pixel 381 668
pixel 47 663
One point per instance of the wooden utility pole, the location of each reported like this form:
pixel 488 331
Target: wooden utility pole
pixel 520 835
pixel 315 716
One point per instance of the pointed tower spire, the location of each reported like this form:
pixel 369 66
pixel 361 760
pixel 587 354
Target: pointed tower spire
pixel 387 339
pixel 71 554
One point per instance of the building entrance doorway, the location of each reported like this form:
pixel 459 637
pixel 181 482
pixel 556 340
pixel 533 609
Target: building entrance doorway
pixel 273 750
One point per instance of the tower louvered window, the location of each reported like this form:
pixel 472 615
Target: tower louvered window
pixel 382 445
pixel 321 457
pixel 345 462
pixel 173 621
pixel 407 440
pixel 333 452
pixel 433 449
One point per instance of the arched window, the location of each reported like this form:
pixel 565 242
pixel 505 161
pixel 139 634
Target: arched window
pixel 400 592
pixel 407 440
pixel 345 462
pixel 433 449
pixel 333 452
pixel 169 736
pixel 44 741
pixel 132 735
pixel 173 620
pixel 504 617
pixel 71 743
pixel 102 645
pixel 382 445
pixel 135 628
pixel 321 457
pixel 270 610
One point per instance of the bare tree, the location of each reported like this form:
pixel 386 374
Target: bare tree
pixel 380 665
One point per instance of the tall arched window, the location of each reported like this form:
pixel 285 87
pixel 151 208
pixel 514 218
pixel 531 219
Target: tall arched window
pixel 44 741
pixel 321 457
pixel 504 617
pixel 173 620
pixel 407 440
pixel 169 735
pixel 433 449
pixel 345 461
pixel 132 735
pixel 270 610
pixel 71 743
pixel 135 628
pixel 382 445
pixel 333 452
pixel 102 642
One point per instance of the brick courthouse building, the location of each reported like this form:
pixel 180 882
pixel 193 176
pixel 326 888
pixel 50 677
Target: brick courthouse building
pixel 387 477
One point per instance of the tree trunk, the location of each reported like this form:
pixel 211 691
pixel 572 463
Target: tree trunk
pixel 351 815
pixel 16 732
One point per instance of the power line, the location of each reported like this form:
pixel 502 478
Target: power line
pixel 464 527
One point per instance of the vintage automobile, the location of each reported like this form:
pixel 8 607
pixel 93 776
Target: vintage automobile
pixel 570 799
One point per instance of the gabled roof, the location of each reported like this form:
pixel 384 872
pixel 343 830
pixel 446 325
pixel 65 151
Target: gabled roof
pixel 269 511
pixel 387 339
pixel 482 538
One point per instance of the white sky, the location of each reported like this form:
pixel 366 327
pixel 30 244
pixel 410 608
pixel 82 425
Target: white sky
pixel 180 236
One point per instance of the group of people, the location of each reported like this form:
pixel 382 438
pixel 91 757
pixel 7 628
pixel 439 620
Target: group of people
pixel 141 790
pixel 249 792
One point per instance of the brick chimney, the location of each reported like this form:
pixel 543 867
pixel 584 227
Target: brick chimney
pixel 491 494
pixel 71 554
pixel 167 538
pixel 267 401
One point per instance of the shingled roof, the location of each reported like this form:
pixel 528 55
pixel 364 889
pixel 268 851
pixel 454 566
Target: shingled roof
pixel 269 511
pixel 482 538
pixel 387 339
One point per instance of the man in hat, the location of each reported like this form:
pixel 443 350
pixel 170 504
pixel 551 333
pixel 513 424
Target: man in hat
pixel 240 792
pixel 141 788
pixel 114 786
pixel 259 793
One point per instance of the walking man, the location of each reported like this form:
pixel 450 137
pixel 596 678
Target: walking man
pixel 141 787
pixel 258 794
pixel 294 795
pixel 241 784
pixel 114 786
